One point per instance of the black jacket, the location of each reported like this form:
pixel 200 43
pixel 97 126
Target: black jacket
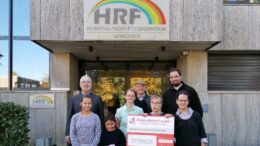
pixel 170 95
pixel 147 108
pixel 74 107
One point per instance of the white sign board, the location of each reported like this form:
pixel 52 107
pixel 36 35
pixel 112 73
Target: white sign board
pixel 42 101
pixel 150 130
pixel 126 19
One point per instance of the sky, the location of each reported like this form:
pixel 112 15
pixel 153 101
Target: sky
pixel 29 59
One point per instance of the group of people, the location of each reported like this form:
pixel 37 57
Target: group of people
pixel 86 125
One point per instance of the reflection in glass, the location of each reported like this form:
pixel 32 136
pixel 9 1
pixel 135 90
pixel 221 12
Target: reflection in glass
pixel 4 64
pixel 21 17
pixel 110 88
pixel 4 17
pixel 254 1
pixel 30 66
pixel 111 85
pixel 236 1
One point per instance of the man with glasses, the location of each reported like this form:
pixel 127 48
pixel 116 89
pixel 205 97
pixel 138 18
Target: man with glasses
pixel 74 103
pixel 142 99
pixel 170 95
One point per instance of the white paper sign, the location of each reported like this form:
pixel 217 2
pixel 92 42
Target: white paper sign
pixel 150 130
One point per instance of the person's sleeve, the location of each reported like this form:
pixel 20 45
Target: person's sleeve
pixel 97 131
pixel 175 130
pixel 202 132
pixel 73 137
pixel 164 106
pixel 196 104
pixel 101 111
pixel 70 114
pixel 122 140
pixel 141 111
pixel 117 115
pixel 101 142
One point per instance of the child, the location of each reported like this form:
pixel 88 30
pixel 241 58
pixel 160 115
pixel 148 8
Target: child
pixel 112 136
pixel 85 127
pixel 156 105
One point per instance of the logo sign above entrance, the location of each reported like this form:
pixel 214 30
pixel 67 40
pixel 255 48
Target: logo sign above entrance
pixel 126 20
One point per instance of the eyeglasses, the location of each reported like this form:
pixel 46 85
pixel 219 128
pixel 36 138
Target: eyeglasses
pixel 85 82
pixel 156 103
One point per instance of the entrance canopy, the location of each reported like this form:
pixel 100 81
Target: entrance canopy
pixel 124 50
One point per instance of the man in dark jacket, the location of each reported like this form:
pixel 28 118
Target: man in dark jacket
pixel 74 103
pixel 142 99
pixel 170 95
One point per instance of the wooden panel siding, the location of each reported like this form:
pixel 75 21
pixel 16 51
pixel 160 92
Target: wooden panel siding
pixel 236 28
pixel 176 19
pixel 212 119
pixel 42 122
pixel 35 22
pixel 234 116
pixel 76 20
pixel 55 19
pixel 217 19
pixel 254 27
pixel 233 119
pixel 197 20
pixel 252 119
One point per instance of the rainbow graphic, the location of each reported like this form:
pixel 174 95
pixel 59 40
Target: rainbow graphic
pixel 43 99
pixel 153 13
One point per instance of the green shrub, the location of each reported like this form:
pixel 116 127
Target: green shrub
pixel 13 125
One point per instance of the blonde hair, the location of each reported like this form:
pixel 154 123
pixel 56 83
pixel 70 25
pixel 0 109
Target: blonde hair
pixel 156 96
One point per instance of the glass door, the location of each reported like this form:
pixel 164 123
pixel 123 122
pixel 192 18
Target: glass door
pixel 111 85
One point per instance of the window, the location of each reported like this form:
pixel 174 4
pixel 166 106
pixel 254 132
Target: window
pixel 4 64
pixel 254 1
pixel 30 68
pixel 242 1
pixel 4 14
pixel 236 1
pixel 3 44
pixel 234 72
pixel 30 61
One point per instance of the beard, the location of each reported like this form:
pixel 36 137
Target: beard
pixel 176 84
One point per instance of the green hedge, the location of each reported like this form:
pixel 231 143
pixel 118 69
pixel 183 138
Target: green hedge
pixel 13 125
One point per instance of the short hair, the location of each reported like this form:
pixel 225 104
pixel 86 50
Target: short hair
pixel 110 117
pixel 175 69
pixel 156 96
pixel 183 93
pixel 85 77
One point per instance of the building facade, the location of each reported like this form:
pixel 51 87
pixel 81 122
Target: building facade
pixel 214 43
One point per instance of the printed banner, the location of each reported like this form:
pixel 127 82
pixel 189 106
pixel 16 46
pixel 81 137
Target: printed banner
pixel 150 131
pixel 126 19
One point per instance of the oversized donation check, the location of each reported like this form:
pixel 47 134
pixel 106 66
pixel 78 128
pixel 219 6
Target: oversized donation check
pixel 150 131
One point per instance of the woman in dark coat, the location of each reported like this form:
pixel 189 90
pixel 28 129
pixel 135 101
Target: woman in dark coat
pixel 189 129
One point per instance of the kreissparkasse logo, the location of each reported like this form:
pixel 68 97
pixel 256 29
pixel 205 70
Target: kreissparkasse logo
pixel 132 120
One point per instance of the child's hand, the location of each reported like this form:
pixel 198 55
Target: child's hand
pixel 168 115
pixel 144 114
